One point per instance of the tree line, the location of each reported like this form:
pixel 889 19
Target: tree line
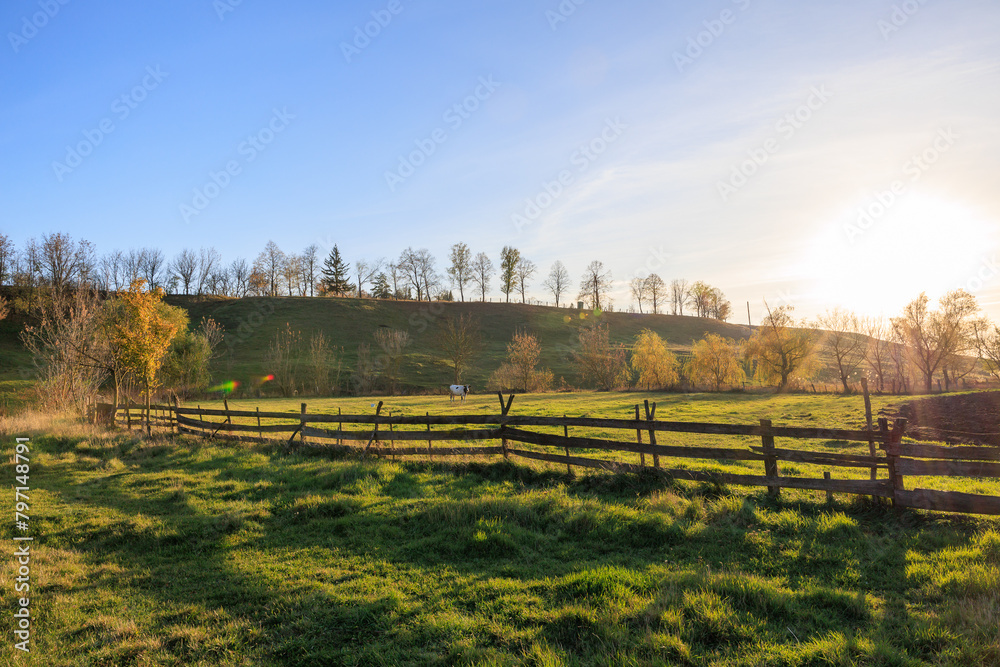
pixel 57 260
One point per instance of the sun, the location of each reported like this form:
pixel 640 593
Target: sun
pixel 875 257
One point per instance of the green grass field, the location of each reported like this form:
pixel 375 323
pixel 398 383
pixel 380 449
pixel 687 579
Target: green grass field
pixel 188 552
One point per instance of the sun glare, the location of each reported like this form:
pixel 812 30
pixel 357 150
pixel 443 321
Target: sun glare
pixel 875 258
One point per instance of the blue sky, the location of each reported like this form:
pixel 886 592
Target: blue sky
pixel 817 154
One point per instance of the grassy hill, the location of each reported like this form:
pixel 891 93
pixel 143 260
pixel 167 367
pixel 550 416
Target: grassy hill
pixel 252 323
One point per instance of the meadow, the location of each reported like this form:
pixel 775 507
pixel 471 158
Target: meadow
pixel 182 551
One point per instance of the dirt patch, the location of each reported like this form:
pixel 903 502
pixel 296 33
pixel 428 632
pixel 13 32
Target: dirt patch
pixel 961 418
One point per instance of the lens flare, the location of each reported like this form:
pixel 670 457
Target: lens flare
pixel 266 378
pixel 227 387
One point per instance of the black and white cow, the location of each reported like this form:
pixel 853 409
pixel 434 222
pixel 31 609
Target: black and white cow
pixel 460 390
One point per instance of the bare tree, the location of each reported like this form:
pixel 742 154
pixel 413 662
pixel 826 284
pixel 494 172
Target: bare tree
pixel 208 261
pixel 656 291
pixel 841 331
pixel 425 268
pixel 392 342
pixel 509 257
pixel 482 271
pixel 876 348
pixel 461 267
pixel 601 361
pixel 987 337
pixel 558 281
pixel 68 350
pixel 151 262
pixel 595 285
pixel 29 273
pixel 271 262
pixel 131 267
pixel 240 272
pixel 283 358
pixel 310 267
pixel 65 263
pixel 365 271
pixel 523 271
pixel 678 295
pixel 110 270
pixel 292 272
pixel 366 371
pixel 637 287
pixel 397 276
pixel 184 266
pixel 409 267
pixel 932 337
pixel 459 341
pixel 324 365
pixel 7 254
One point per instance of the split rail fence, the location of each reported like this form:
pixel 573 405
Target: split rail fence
pixel 888 460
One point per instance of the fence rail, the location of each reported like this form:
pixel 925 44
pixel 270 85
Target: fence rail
pixel 889 460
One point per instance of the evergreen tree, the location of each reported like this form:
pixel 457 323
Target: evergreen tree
pixel 380 288
pixel 335 274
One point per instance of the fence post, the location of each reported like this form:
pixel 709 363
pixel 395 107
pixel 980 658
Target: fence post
pixel 340 427
pixel 638 436
pixel 176 425
pixel 829 493
pixel 770 461
pixel 302 425
pixel 392 441
pixel 569 468
pixel 260 432
pixel 650 417
pixel 374 438
pixel 871 438
pixel 128 414
pixel 430 448
pixel 229 417
pixel 892 442
pixel 504 409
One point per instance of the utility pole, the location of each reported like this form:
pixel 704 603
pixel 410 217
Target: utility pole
pixel 748 315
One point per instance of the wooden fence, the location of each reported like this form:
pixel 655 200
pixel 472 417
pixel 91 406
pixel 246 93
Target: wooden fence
pixel 888 460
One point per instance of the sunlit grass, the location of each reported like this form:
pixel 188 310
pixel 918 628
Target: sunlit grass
pixel 192 552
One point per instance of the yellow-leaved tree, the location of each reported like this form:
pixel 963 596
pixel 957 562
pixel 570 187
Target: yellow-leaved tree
pixel 716 361
pixel 655 365
pixel 140 328
pixel 781 350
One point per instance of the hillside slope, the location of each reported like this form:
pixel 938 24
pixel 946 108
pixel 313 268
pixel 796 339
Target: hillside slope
pixel 251 324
